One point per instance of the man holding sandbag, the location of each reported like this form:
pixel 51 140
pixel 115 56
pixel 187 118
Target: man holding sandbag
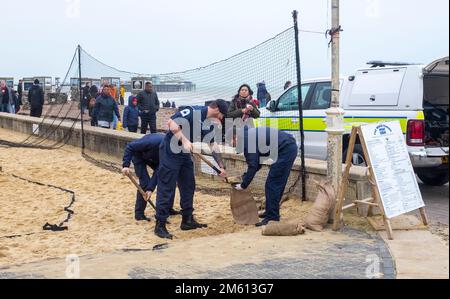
pixel 259 144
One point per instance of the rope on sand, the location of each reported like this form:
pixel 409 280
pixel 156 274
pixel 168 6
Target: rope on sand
pixel 48 226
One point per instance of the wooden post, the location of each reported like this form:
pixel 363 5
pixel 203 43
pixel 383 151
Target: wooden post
pixel 424 216
pixel 344 184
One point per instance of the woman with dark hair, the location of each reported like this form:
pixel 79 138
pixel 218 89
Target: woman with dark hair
pixel 242 105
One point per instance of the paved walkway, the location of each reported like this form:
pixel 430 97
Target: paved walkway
pixel 437 203
pixel 350 254
pixel 419 255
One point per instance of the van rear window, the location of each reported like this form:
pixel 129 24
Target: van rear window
pixel 377 87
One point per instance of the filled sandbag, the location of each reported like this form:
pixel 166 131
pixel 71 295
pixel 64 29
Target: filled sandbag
pixel 243 207
pixel 283 229
pixel 318 216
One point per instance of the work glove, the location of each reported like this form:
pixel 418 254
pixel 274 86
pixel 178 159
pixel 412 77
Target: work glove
pixel 238 187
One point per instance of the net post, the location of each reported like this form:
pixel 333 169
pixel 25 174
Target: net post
pixel 81 100
pixel 300 105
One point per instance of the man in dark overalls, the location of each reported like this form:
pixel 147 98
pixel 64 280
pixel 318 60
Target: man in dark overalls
pixel 144 152
pixel 257 143
pixel 176 167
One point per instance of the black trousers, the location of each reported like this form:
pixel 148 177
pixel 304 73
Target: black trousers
pixel 148 120
pixel 132 129
pixel 36 111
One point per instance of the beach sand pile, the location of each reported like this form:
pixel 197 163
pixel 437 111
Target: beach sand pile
pixel 104 208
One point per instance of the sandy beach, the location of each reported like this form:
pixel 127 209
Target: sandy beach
pixel 104 207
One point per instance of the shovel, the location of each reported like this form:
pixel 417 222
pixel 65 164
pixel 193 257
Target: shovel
pixel 243 206
pixel 143 193
pixel 217 170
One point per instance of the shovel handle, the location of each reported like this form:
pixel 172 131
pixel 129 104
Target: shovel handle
pixel 143 193
pixel 208 163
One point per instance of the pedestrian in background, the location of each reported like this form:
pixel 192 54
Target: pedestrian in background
pixel 7 103
pixel 242 105
pixel 93 92
pixel 17 102
pixel 148 105
pixel 36 99
pixel 287 85
pixel 20 91
pixel 105 108
pixel 122 95
pixel 85 96
pixel 263 95
pixel 131 115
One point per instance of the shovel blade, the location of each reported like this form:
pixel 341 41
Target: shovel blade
pixel 243 207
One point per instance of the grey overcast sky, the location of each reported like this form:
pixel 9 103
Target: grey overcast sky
pixel 39 37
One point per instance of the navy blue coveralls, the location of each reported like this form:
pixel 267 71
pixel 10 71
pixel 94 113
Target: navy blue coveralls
pixel 279 171
pixel 144 152
pixel 177 167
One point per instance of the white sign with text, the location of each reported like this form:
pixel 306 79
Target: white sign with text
pixel 393 169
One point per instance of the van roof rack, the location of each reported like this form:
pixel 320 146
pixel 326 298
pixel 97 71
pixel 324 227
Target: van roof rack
pixel 379 63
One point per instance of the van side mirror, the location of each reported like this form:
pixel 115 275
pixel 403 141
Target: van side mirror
pixel 272 106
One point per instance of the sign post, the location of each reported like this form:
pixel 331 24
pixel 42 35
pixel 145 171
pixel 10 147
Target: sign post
pixel 395 190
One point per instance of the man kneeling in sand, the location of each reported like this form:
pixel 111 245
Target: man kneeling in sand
pixel 144 152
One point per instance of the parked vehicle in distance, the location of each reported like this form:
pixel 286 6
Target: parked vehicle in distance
pixel 415 95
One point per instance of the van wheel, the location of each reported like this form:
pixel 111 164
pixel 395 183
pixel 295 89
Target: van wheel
pixel 434 179
pixel 358 156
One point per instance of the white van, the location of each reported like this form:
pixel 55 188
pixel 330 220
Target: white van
pixel 415 95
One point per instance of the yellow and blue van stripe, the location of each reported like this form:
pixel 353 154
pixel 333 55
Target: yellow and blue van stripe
pixel 316 124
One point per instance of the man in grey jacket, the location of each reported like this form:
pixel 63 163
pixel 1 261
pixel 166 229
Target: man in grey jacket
pixel 148 105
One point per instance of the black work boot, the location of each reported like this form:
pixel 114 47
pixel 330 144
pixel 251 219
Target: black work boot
pixel 161 230
pixel 142 218
pixel 264 222
pixel 189 223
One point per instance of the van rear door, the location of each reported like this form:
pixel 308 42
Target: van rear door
pixel 436 107
pixel 438 67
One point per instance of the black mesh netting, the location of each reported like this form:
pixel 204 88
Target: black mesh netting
pixel 272 63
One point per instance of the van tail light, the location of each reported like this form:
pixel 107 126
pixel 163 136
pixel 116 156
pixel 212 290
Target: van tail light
pixel 415 135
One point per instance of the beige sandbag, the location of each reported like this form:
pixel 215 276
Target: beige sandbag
pixel 318 216
pixel 283 229
pixel 243 207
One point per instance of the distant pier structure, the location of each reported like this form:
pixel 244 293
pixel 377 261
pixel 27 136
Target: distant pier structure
pixel 164 84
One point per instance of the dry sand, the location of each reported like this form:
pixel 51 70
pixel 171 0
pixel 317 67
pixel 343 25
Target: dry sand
pixel 104 208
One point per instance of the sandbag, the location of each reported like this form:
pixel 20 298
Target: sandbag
pixel 318 216
pixel 243 207
pixel 283 229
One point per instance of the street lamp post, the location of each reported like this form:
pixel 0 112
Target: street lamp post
pixel 335 115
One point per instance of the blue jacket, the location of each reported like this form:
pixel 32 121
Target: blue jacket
pixel 253 156
pixel 130 114
pixel 145 151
